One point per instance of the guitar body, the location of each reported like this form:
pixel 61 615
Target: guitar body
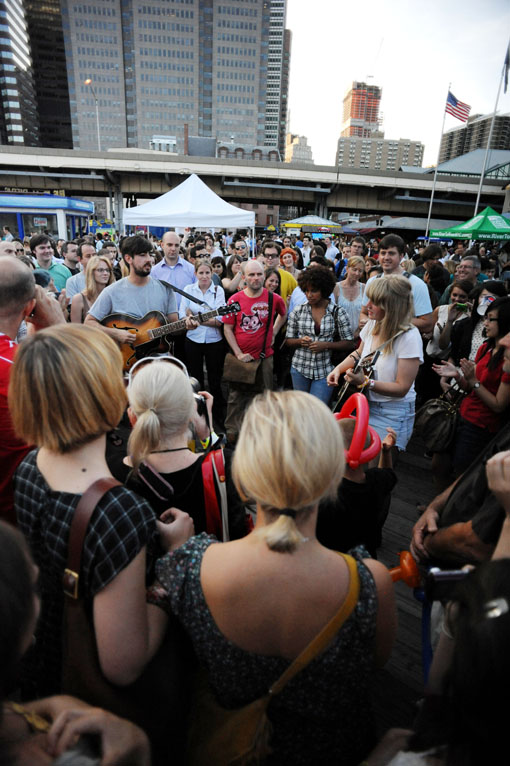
pixel 152 330
pixel 144 344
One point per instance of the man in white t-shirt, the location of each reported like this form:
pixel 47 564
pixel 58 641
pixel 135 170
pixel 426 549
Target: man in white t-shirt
pixel 331 250
pixel 391 251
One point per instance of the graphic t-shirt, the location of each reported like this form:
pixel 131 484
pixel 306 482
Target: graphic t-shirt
pixel 250 323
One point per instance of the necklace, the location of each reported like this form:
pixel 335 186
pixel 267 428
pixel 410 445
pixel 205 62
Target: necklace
pixel 175 449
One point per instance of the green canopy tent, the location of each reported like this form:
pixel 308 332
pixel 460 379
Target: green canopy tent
pixel 486 225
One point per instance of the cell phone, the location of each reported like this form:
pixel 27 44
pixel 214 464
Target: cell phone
pixel 461 306
pixel 440 583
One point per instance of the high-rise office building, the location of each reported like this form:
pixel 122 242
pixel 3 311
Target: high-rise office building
pixel 474 134
pixel 361 111
pixel 219 67
pixel 46 36
pixel 19 123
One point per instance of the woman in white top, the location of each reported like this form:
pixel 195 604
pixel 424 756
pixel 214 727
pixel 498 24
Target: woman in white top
pixel 205 342
pixel 352 291
pixel 390 391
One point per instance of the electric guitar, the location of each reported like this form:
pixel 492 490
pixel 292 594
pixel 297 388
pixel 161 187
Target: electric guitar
pixel 151 331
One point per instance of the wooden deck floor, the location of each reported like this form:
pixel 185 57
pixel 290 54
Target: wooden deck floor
pixel 400 684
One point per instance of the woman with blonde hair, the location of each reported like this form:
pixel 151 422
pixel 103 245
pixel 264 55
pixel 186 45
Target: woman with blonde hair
pixel 352 291
pixel 162 409
pixel 252 606
pixel 390 388
pixel 66 393
pixel 98 275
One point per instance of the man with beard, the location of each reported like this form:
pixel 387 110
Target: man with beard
pixel 136 294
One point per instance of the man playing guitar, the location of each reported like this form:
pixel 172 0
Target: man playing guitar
pixel 135 295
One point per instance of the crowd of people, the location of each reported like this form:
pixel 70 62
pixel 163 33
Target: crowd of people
pixel 235 537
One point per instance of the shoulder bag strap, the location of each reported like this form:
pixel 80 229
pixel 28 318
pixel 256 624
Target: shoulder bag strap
pixel 269 322
pixel 218 466
pixel 320 642
pixel 213 520
pixel 79 525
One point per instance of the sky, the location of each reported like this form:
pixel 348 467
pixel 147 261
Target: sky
pixel 412 49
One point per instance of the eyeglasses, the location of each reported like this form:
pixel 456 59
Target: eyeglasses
pixel 241 247
pixel 20 249
pixel 102 271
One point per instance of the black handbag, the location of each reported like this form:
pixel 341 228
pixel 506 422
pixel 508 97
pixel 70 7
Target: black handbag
pixel 436 421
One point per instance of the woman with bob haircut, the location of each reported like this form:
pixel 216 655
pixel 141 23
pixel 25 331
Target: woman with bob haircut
pixel 390 391
pixel 288 260
pixel 66 393
pixel 246 604
pixel 165 471
pixel 21 741
pixel 99 274
pixel 314 330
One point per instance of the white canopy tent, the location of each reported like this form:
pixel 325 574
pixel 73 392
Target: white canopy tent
pixel 192 203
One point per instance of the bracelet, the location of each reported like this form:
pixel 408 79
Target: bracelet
pixel 364 384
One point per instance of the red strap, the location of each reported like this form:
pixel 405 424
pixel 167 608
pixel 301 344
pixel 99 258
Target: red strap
pixel 212 509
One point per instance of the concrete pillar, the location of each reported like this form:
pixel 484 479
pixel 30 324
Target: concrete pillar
pixel 119 209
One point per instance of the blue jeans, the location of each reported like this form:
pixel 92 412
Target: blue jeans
pixel 318 388
pixel 396 414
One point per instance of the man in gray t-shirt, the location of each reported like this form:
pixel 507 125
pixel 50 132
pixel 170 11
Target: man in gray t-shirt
pixel 136 295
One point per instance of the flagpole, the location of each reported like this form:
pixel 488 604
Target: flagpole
pixel 437 164
pixel 487 148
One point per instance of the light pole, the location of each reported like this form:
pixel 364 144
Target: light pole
pixel 89 83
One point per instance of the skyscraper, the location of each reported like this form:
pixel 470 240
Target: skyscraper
pixel 49 71
pixel 216 66
pixel 19 123
pixel 361 111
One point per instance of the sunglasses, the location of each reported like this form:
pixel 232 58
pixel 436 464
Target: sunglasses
pixel 141 363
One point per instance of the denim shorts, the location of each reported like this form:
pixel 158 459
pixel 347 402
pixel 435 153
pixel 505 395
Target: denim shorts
pixel 398 415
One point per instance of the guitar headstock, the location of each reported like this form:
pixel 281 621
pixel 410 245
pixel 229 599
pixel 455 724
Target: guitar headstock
pixel 231 308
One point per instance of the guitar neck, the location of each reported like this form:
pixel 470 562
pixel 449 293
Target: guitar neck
pixel 168 329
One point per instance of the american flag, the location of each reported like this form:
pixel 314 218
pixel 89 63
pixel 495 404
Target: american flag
pixel 457 108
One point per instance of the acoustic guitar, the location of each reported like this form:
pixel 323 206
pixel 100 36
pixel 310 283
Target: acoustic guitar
pixel 153 329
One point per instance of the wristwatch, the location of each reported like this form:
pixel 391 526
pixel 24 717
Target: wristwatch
pixel 477 385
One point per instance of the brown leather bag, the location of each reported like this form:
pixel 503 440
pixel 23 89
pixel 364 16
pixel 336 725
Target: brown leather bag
pixel 81 672
pixel 245 373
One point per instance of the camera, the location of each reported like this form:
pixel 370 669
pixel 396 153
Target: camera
pixel 200 400
pixel 440 583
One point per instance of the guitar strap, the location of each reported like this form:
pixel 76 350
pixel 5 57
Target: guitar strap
pixel 181 292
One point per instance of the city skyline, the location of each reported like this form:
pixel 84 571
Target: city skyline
pixel 411 51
